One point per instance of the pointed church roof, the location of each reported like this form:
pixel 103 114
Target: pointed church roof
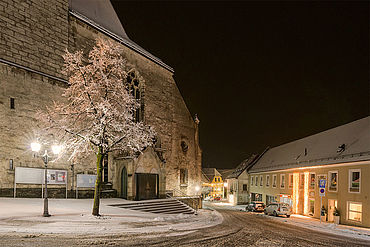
pixel 101 15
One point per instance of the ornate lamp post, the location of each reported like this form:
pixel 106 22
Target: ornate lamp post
pixel 56 150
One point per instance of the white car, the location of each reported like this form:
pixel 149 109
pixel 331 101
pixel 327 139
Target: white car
pixel 277 209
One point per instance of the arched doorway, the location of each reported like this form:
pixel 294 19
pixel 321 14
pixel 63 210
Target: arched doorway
pixel 124 183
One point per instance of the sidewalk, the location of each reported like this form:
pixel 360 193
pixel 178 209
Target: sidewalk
pixel 73 216
pixel 308 222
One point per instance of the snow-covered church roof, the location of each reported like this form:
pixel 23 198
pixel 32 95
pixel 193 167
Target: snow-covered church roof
pixel 346 143
pixel 101 15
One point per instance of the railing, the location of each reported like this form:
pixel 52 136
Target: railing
pixel 195 202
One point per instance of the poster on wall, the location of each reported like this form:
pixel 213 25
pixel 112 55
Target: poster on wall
pixel 57 176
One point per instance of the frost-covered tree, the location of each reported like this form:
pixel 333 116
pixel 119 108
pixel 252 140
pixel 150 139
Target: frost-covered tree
pixel 98 115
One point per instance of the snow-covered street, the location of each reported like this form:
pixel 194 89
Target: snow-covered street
pixel 73 216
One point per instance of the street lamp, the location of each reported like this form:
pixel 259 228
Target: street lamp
pixel 35 146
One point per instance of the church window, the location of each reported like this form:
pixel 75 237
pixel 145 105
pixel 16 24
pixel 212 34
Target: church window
pixel 135 87
pixel 183 176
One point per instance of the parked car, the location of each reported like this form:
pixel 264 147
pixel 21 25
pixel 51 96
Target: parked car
pixel 217 198
pixel 255 207
pixel 277 209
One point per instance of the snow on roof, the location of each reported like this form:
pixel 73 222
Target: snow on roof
pixel 101 15
pixel 225 172
pixel 346 143
pixel 242 166
pixel 210 173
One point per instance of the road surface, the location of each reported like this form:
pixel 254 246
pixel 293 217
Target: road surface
pixel 238 229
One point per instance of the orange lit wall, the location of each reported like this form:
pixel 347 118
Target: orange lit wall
pixel 295 192
pixel 305 206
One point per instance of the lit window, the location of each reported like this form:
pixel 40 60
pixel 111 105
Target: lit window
pixel 354 180
pixel 311 211
pixel 261 180
pixel 267 180
pixel 274 181
pixel 333 181
pixel 290 180
pixel 312 180
pixel 282 181
pixel 354 211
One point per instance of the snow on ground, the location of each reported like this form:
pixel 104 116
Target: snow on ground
pixel 303 221
pixel 24 215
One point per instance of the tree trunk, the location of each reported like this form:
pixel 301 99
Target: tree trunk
pixel 98 182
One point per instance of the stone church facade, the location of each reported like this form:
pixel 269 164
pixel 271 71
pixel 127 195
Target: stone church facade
pixel 34 35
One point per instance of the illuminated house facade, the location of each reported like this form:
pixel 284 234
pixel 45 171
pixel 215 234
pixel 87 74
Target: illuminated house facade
pixel 291 173
pixel 213 183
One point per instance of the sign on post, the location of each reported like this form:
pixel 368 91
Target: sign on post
pixel 322 184
pixel 85 181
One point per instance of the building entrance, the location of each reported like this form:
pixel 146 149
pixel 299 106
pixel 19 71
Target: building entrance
pixel 147 186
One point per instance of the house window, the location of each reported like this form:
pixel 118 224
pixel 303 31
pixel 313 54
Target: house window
pixel 274 178
pixel 256 181
pixel 354 180
pixel 135 87
pixel 282 181
pixel 252 178
pixel 261 180
pixel 183 176
pixel 267 180
pixel 291 180
pixel 333 181
pixel 354 210
pixel 312 180
pixel 12 103
pixel 245 187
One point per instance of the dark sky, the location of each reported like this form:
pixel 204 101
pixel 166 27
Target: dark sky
pixel 259 74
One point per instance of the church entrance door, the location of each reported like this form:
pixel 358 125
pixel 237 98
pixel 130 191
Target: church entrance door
pixel 124 183
pixel 147 186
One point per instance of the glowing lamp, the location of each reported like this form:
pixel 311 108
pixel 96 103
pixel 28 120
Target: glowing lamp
pixel 197 188
pixel 35 146
pixel 56 149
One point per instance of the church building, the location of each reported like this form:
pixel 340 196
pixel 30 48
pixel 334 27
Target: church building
pixel 34 36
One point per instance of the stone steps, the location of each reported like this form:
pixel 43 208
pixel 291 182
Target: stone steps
pixel 159 206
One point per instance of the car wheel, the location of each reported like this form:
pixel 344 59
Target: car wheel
pixel 288 216
pixel 275 214
pixel 265 213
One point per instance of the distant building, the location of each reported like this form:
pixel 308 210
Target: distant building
pixel 213 184
pixel 292 172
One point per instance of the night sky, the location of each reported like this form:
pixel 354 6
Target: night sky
pixel 259 74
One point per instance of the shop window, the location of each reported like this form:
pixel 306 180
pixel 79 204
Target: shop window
pixel 354 210
pixel 261 180
pixel 312 180
pixel 282 181
pixel 183 176
pixel 270 199
pixel 333 181
pixel 274 178
pixel 290 180
pixel 354 180
pixel 267 180
pixel 311 208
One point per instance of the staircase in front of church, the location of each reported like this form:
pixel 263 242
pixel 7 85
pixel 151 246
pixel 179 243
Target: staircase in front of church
pixel 157 206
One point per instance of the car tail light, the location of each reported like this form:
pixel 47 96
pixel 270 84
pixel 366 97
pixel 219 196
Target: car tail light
pixel 278 208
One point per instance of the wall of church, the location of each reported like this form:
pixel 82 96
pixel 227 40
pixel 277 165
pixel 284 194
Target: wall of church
pixel 35 34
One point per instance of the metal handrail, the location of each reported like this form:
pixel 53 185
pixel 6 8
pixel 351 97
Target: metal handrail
pixel 196 202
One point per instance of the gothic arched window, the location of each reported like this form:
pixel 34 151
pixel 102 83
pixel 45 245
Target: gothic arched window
pixel 135 86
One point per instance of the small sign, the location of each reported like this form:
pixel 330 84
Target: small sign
pixel 322 192
pixel 322 183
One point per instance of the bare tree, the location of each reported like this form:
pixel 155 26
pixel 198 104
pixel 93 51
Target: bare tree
pixel 98 114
